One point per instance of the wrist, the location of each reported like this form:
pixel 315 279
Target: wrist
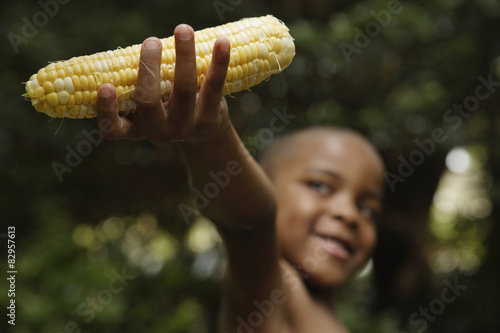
pixel 210 137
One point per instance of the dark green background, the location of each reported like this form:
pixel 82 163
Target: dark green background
pixel 395 90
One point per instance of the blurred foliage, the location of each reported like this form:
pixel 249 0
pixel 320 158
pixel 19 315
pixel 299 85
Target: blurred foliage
pixel 117 211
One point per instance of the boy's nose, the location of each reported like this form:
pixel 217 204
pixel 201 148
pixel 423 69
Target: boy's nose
pixel 344 209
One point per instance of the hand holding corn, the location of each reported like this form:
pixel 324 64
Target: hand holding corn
pixel 187 114
pixel 260 47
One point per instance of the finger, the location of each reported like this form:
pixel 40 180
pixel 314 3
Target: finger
pixel 183 97
pixel 111 125
pixel 147 91
pixel 213 87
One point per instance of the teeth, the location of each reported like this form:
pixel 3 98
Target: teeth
pixel 334 241
pixel 334 247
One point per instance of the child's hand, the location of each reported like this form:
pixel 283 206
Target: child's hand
pixel 186 115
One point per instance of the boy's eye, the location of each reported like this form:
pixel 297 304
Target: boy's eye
pixel 367 211
pixel 320 187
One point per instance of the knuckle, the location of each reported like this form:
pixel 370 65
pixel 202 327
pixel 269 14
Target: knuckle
pixel 150 82
pixel 215 84
pixel 146 104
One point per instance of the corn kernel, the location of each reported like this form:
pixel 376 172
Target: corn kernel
pixel 105 65
pixel 75 110
pixel 78 97
pixel 68 85
pixel 92 83
pixel 93 97
pixel 273 61
pixel 63 97
pixel 68 70
pixel 235 58
pixel 85 68
pixel 77 69
pixel 59 84
pixel 71 100
pixel 130 76
pixel 83 110
pixel 86 97
pixel 51 67
pixel 120 93
pixel 92 67
pixel 123 77
pixel 53 99
pixel 61 109
pixel 199 66
pixel 243 55
pixel 48 87
pixel 116 79
pixel 248 52
pixel 98 66
pixel 76 82
pixel 98 79
pixel 84 82
pixel 51 76
pixel 61 74
pixel 42 77
pixel 244 69
pixel 38 92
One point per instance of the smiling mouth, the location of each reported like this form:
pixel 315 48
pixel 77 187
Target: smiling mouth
pixel 335 246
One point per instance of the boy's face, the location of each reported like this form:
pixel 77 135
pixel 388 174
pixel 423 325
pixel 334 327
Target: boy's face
pixel 329 194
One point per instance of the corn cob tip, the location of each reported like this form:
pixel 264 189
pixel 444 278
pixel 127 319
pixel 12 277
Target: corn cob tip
pixel 260 47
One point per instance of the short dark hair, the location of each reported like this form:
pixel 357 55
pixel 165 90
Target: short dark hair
pixel 277 152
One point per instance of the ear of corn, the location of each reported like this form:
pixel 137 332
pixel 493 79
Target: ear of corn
pixel 260 47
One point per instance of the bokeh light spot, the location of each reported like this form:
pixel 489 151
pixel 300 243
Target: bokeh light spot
pixel 458 160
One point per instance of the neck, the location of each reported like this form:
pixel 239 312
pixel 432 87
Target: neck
pixel 324 297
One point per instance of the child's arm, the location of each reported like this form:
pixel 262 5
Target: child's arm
pixel 244 207
pixel 243 197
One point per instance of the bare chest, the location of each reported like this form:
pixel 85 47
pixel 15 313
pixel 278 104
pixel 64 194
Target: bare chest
pixel 304 315
pixel 289 308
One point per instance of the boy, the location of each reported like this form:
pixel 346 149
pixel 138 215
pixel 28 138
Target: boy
pixel 293 235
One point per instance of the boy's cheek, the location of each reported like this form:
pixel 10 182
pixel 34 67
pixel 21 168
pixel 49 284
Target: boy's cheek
pixel 368 243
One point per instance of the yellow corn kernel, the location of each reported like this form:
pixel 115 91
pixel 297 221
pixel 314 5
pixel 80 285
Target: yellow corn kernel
pixel 41 77
pixel 48 87
pixel 38 92
pixel 76 82
pixel 84 82
pixel 78 97
pixel 61 74
pixel 92 83
pixel 53 99
pixel 51 76
pixel 86 97
pixel 71 100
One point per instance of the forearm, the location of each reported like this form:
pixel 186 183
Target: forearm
pixel 236 192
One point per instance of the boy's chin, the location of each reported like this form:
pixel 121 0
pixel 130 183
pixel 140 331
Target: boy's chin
pixel 327 281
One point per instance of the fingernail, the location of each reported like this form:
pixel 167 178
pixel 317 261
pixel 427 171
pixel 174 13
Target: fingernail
pixel 184 34
pixel 225 47
pixel 151 45
pixel 105 92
